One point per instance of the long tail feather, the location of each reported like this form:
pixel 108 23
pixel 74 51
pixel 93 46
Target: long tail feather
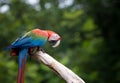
pixel 23 53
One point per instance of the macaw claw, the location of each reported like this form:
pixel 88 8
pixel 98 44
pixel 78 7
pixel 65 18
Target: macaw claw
pixel 42 50
pixel 33 50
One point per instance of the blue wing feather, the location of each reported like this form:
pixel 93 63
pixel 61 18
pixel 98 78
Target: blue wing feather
pixel 26 42
pixel 21 42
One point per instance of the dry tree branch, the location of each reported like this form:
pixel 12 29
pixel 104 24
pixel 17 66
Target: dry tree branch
pixel 57 67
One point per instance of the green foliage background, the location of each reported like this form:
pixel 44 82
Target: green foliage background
pixel 90 38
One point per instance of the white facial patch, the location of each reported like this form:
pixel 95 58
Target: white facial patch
pixel 54 37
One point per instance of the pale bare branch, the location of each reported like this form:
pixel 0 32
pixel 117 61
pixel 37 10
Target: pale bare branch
pixel 57 67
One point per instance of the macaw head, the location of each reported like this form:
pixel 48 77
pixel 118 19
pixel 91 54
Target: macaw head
pixel 53 38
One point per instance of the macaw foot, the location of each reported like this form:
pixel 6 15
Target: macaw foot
pixel 42 50
pixel 33 50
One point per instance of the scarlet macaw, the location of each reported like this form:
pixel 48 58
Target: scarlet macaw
pixel 33 38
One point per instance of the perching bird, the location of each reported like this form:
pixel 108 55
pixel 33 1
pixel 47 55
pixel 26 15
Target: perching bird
pixel 24 44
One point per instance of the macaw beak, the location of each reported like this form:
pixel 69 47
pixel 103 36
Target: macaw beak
pixel 55 43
